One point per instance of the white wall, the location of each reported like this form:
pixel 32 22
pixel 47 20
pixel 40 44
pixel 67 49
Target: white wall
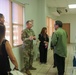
pixel 49 12
pixel 18 54
pixel 41 15
pixel 72 20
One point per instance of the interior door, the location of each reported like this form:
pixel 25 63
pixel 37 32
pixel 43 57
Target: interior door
pixel 66 27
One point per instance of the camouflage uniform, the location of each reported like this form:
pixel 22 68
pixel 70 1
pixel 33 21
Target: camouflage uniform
pixel 27 47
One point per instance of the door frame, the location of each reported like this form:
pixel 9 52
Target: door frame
pixel 69 31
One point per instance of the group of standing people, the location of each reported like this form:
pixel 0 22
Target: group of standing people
pixel 58 43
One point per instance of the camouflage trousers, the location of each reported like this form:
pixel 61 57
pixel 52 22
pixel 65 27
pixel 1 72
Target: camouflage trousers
pixel 28 54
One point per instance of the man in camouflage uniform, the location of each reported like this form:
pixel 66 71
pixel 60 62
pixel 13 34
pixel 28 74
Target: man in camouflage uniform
pixel 27 37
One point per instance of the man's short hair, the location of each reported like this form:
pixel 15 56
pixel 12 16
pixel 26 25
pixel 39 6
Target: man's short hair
pixel 59 23
pixel 28 21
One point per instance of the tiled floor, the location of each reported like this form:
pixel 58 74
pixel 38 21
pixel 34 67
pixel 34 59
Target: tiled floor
pixel 47 69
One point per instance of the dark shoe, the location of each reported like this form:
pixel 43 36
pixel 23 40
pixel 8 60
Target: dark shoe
pixel 32 68
pixel 28 72
pixel 45 62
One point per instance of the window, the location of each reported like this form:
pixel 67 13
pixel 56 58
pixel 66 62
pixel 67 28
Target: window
pixel 13 14
pixel 17 35
pixel 50 26
pixel 17 21
pixel 5 10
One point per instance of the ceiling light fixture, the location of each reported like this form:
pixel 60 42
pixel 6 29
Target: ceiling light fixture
pixel 72 6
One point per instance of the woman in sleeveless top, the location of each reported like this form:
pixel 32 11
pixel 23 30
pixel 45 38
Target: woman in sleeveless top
pixel 5 53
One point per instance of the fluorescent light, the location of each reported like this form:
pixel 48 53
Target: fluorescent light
pixel 72 6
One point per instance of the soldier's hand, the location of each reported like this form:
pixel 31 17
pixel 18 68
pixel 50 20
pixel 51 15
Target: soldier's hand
pixel 34 37
pixel 31 38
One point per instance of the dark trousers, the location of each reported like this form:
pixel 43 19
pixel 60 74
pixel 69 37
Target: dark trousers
pixel 54 60
pixel 43 55
pixel 60 63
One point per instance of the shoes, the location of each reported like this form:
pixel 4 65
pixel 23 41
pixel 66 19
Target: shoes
pixel 45 62
pixel 32 68
pixel 28 72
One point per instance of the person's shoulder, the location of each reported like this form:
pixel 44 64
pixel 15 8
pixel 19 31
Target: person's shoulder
pixel 32 30
pixel 63 30
pixel 4 41
pixel 59 30
pixel 56 33
pixel 24 30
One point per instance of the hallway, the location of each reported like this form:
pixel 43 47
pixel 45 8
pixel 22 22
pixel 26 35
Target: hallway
pixel 47 69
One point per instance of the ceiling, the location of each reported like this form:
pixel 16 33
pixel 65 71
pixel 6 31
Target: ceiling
pixel 62 6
